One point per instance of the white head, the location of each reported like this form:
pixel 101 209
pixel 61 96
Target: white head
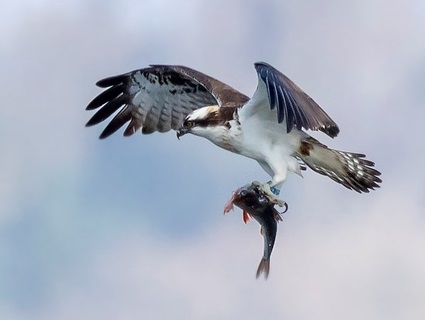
pixel 217 124
pixel 202 122
pixel 203 113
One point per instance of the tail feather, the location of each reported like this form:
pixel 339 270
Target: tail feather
pixel 347 168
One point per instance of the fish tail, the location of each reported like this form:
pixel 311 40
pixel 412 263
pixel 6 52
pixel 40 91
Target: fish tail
pixel 263 267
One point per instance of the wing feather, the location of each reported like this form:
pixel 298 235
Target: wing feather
pixel 105 96
pixel 108 109
pixel 282 112
pixel 223 93
pixel 274 97
pixel 157 98
pixel 164 122
pixel 117 122
pixel 292 104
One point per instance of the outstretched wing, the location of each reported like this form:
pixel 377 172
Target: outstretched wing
pixel 292 104
pixel 157 98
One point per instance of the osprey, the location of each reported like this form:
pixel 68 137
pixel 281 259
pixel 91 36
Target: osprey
pixel 268 128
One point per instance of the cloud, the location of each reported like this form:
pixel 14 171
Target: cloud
pixel 368 265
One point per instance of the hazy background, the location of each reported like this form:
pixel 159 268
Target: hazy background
pixel 132 228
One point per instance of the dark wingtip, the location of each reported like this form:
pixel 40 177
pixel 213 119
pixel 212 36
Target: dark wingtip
pixel 259 64
pixel 107 110
pixel 108 131
pixel 89 123
pixel 106 96
pixel 111 81
pixel 116 123
pixel 104 135
pixel 331 131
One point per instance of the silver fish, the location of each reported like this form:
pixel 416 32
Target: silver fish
pixel 257 205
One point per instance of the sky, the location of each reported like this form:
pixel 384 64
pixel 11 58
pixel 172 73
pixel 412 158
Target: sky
pixel 133 227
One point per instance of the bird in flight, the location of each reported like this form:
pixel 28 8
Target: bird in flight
pixel 270 127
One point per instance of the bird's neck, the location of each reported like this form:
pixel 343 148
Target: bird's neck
pixel 227 136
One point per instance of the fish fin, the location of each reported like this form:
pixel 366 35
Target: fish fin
pixel 277 215
pixel 246 217
pixel 263 267
pixel 229 206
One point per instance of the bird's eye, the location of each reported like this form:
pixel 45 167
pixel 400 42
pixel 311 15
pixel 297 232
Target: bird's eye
pixel 189 124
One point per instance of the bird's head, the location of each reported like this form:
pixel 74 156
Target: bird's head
pixel 201 122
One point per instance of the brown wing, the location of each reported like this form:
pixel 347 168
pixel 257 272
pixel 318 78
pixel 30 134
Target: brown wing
pixel 292 104
pixel 157 98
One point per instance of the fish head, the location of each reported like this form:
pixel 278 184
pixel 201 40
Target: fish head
pixel 248 198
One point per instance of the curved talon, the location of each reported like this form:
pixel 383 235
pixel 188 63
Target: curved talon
pixel 286 208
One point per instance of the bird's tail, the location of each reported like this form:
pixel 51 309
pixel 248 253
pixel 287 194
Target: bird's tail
pixel 347 168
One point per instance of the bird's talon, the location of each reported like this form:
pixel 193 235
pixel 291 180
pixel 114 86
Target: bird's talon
pixel 270 192
pixel 282 203
pixel 257 184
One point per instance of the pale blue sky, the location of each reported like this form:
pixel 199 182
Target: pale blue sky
pixel 133 227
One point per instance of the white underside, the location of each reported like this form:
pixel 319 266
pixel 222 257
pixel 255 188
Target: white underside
pixel 268 143
pixel 263 140
pixel 259 136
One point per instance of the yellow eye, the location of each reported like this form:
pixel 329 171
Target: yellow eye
pixel 189 124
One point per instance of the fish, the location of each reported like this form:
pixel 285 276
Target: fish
pixel 256 204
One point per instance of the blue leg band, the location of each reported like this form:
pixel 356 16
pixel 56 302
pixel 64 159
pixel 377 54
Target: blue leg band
pixel 275 191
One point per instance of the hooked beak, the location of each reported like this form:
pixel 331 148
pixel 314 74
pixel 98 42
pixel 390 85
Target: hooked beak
pixel 182 131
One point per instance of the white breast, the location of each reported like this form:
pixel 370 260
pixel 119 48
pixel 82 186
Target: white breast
pixel 268 142
pixel 222 136
pixel 258 138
